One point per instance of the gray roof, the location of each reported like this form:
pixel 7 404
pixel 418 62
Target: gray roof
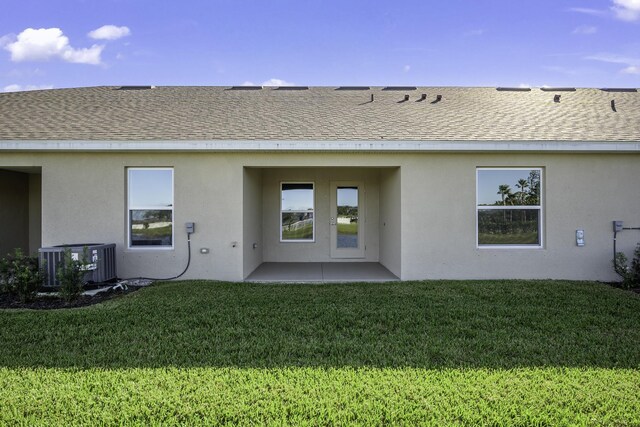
pixel 319 113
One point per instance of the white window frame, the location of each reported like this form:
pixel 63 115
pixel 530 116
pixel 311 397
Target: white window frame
pixel 313 211
pixel 525 207
pixel 130 208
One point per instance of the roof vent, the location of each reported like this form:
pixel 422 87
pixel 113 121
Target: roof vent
pixel 400 88
pixel 438 99
pixel 513 89
pixel 423 97
pixel 405 99
pixel 613 106
pixel 556 98
pixel 134 87
pixel 292 88
pixel 558 89
pixel 353 88
pixel 621 89
pixel 245 88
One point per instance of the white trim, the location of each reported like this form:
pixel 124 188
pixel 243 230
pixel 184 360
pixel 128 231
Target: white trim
pixel 339 146
pixel 130 208
pixel 313 212
pixel 538 207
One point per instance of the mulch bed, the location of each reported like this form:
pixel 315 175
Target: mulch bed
pixel 49 302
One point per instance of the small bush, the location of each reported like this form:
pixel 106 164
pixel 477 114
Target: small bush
pixel 70 275
pixel 21 275
pixel 630 274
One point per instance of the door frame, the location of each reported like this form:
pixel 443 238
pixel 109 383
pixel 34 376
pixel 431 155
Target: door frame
pixel 336 252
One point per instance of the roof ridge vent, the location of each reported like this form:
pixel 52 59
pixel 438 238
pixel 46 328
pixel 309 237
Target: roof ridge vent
pixel 619 89
pixel 135 88
pixel 513 89
pixel 558 89
pixel 291 88
pixel 399 88
pixel 245 88
pixel 353 88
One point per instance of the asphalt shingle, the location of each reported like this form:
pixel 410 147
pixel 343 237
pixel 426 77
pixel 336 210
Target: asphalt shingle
pixel 319 113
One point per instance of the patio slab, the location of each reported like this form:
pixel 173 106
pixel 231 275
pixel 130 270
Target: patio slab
pixel 321 272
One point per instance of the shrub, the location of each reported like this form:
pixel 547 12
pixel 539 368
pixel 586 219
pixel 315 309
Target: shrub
pixel 21 275
pixel 70 275
pixel 630 274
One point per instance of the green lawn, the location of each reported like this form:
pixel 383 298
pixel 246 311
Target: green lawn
pixel 508 239
pixel 304 232
pixel 465 353
pixel 348 228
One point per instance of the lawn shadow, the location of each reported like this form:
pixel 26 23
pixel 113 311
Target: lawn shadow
pixel 432 325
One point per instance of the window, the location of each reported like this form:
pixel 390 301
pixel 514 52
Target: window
pixel 509 207
pixel 150 207
pixel 296 212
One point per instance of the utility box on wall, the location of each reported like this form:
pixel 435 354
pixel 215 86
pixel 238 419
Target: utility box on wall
pixel 100 267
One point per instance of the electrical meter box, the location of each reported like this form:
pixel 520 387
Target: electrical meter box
pixel 617 226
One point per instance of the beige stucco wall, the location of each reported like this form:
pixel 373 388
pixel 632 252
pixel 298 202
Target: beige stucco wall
pixel 390 224
pixel 580 192
pixel 252 220
pixel 14 212
pixel 35 212
pixel 84 200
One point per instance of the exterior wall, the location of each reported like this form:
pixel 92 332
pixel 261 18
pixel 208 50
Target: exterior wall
pixel 35 212
pixel 14 212
pixel 252 220
pixel 319 250
pixel 390 220
pixel 84 200
pixel 579 192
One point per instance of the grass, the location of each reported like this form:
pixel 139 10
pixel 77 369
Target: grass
pixel 466 353
pixel 351 228
pixel 508 239
pixel 304 232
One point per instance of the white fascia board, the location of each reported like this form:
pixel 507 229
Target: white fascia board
pixel 325 146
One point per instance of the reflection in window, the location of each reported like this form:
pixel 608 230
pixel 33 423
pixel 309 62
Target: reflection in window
pixel 347 217
pixel 150 201
pixel 296 212
pixel 509 207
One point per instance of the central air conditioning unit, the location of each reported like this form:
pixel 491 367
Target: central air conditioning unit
pixel 100 261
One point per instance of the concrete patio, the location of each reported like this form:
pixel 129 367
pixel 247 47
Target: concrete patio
pixel 321 272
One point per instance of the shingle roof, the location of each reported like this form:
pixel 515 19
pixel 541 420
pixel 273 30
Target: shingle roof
pixel 319 113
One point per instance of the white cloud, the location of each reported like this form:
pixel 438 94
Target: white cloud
pixel 632 65
pixel 626 10
pixel 587 11
pixel 109 32
pixel 585 30
pixel 47 43
pixel 19 88
pixel 277 82
pixel 248 83
pixel 524 85
pixel 406 68
pixel 631 69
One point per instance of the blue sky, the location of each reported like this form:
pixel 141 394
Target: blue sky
pixel 583 43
